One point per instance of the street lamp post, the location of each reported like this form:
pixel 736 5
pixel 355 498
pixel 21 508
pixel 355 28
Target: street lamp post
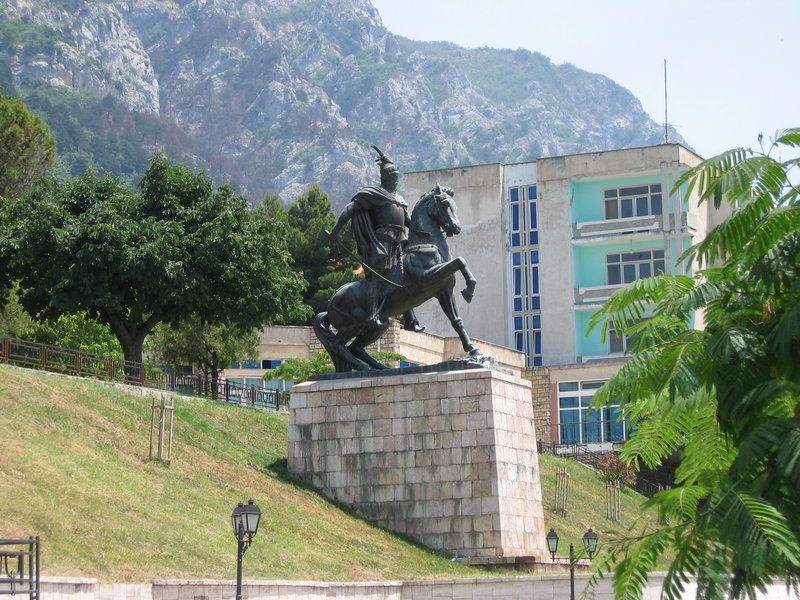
pixel 589 545
pixel 245 525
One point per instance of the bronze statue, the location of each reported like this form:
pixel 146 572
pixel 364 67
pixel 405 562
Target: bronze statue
pixel 407 262
pixel 380 227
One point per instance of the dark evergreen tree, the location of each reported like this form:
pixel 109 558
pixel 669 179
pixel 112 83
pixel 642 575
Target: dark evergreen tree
pixel 325 267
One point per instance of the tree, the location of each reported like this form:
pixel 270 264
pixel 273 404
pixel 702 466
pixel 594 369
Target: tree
pixel 76 331
pixel 133 260
pixel 27 149
pixel 211 348
pixel 15 322
pixel 324 268
pixel 726 397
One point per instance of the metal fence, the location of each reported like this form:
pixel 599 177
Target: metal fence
pixel 19 567
pixel 593 430
pixel 594 459
pixel 45 357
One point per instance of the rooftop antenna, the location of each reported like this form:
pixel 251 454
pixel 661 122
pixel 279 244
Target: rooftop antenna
pixel 666 121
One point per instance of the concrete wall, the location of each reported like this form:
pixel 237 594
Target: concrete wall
pixel 547 587
pixel 480 210
pixel 555 262
pixel 447 458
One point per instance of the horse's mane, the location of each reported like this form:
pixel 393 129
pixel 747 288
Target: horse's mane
pixel 431 194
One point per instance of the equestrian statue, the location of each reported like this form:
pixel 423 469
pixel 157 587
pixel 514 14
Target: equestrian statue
pixel 406 261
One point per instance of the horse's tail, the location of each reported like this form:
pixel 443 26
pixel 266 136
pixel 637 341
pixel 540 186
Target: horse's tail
pixel 322 329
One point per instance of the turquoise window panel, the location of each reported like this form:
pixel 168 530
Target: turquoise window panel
pixel 587 196
pixel 589 262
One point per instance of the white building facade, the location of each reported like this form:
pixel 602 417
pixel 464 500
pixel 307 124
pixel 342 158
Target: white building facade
pixel 549 241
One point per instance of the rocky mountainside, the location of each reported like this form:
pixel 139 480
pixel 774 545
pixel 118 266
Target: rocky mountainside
pixel 274 95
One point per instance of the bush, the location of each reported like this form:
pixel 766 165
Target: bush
pixel 613 470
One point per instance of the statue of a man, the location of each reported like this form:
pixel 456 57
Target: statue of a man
pixel 380 227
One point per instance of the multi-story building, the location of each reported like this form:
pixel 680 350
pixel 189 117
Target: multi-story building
pixel 549 241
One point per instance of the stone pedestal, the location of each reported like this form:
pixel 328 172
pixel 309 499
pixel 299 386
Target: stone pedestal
pixel 447 458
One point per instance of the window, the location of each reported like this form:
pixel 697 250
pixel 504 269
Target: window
pixel 619 343
pixel 247 364
pixel 631 266
pixel 639 201
pixel 578 423
pixel 270 363
pixel 525 299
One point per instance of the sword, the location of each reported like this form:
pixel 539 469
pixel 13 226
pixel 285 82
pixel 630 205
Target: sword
pixel 368 268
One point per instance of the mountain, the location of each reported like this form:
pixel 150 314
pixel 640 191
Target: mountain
pixel 274 95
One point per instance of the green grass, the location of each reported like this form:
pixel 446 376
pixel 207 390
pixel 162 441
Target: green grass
pixel 74 470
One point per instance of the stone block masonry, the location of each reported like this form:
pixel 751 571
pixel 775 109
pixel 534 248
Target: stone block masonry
pixel 446 458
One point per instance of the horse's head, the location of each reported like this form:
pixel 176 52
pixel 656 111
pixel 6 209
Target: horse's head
pixel 442 209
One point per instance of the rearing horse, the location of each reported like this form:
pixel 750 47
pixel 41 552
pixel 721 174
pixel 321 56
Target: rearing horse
pixel 428 272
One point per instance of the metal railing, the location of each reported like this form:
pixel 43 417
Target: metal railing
pixel 594 459
pixel 593 431
pixel 19 567
pixel 45 357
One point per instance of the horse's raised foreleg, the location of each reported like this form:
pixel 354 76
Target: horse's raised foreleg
pixel 468 291
pixel 448 304
pixel 452 267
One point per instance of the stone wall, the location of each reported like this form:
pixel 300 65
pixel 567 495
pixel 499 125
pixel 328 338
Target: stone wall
pixel 446 458
pixel 540 397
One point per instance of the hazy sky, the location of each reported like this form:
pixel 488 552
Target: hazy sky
pixel 733 67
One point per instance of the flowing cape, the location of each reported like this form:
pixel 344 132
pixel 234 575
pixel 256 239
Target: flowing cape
pixel 368 244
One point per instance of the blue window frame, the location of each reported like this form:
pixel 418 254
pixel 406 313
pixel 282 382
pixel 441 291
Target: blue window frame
pixel 524 235
pixel 579 423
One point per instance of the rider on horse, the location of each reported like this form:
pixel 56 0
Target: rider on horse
pixel 380 227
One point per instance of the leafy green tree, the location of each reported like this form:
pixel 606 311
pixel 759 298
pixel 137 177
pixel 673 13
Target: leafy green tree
pixel 307 221
pixel 27 149
pixel 211 348
pixel 726 397
pixel 134 260
pixel 299 370
pixel 76 331
pixel 15 322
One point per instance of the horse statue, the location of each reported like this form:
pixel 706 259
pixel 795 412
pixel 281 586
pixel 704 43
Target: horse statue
pixel 427 272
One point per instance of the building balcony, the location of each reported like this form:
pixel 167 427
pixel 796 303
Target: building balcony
pixel 596 294
pixel 599 231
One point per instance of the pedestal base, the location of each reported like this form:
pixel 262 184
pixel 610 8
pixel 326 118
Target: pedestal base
pixel 447 458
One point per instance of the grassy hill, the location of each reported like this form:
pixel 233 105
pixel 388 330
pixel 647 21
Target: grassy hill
pixel 74 469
